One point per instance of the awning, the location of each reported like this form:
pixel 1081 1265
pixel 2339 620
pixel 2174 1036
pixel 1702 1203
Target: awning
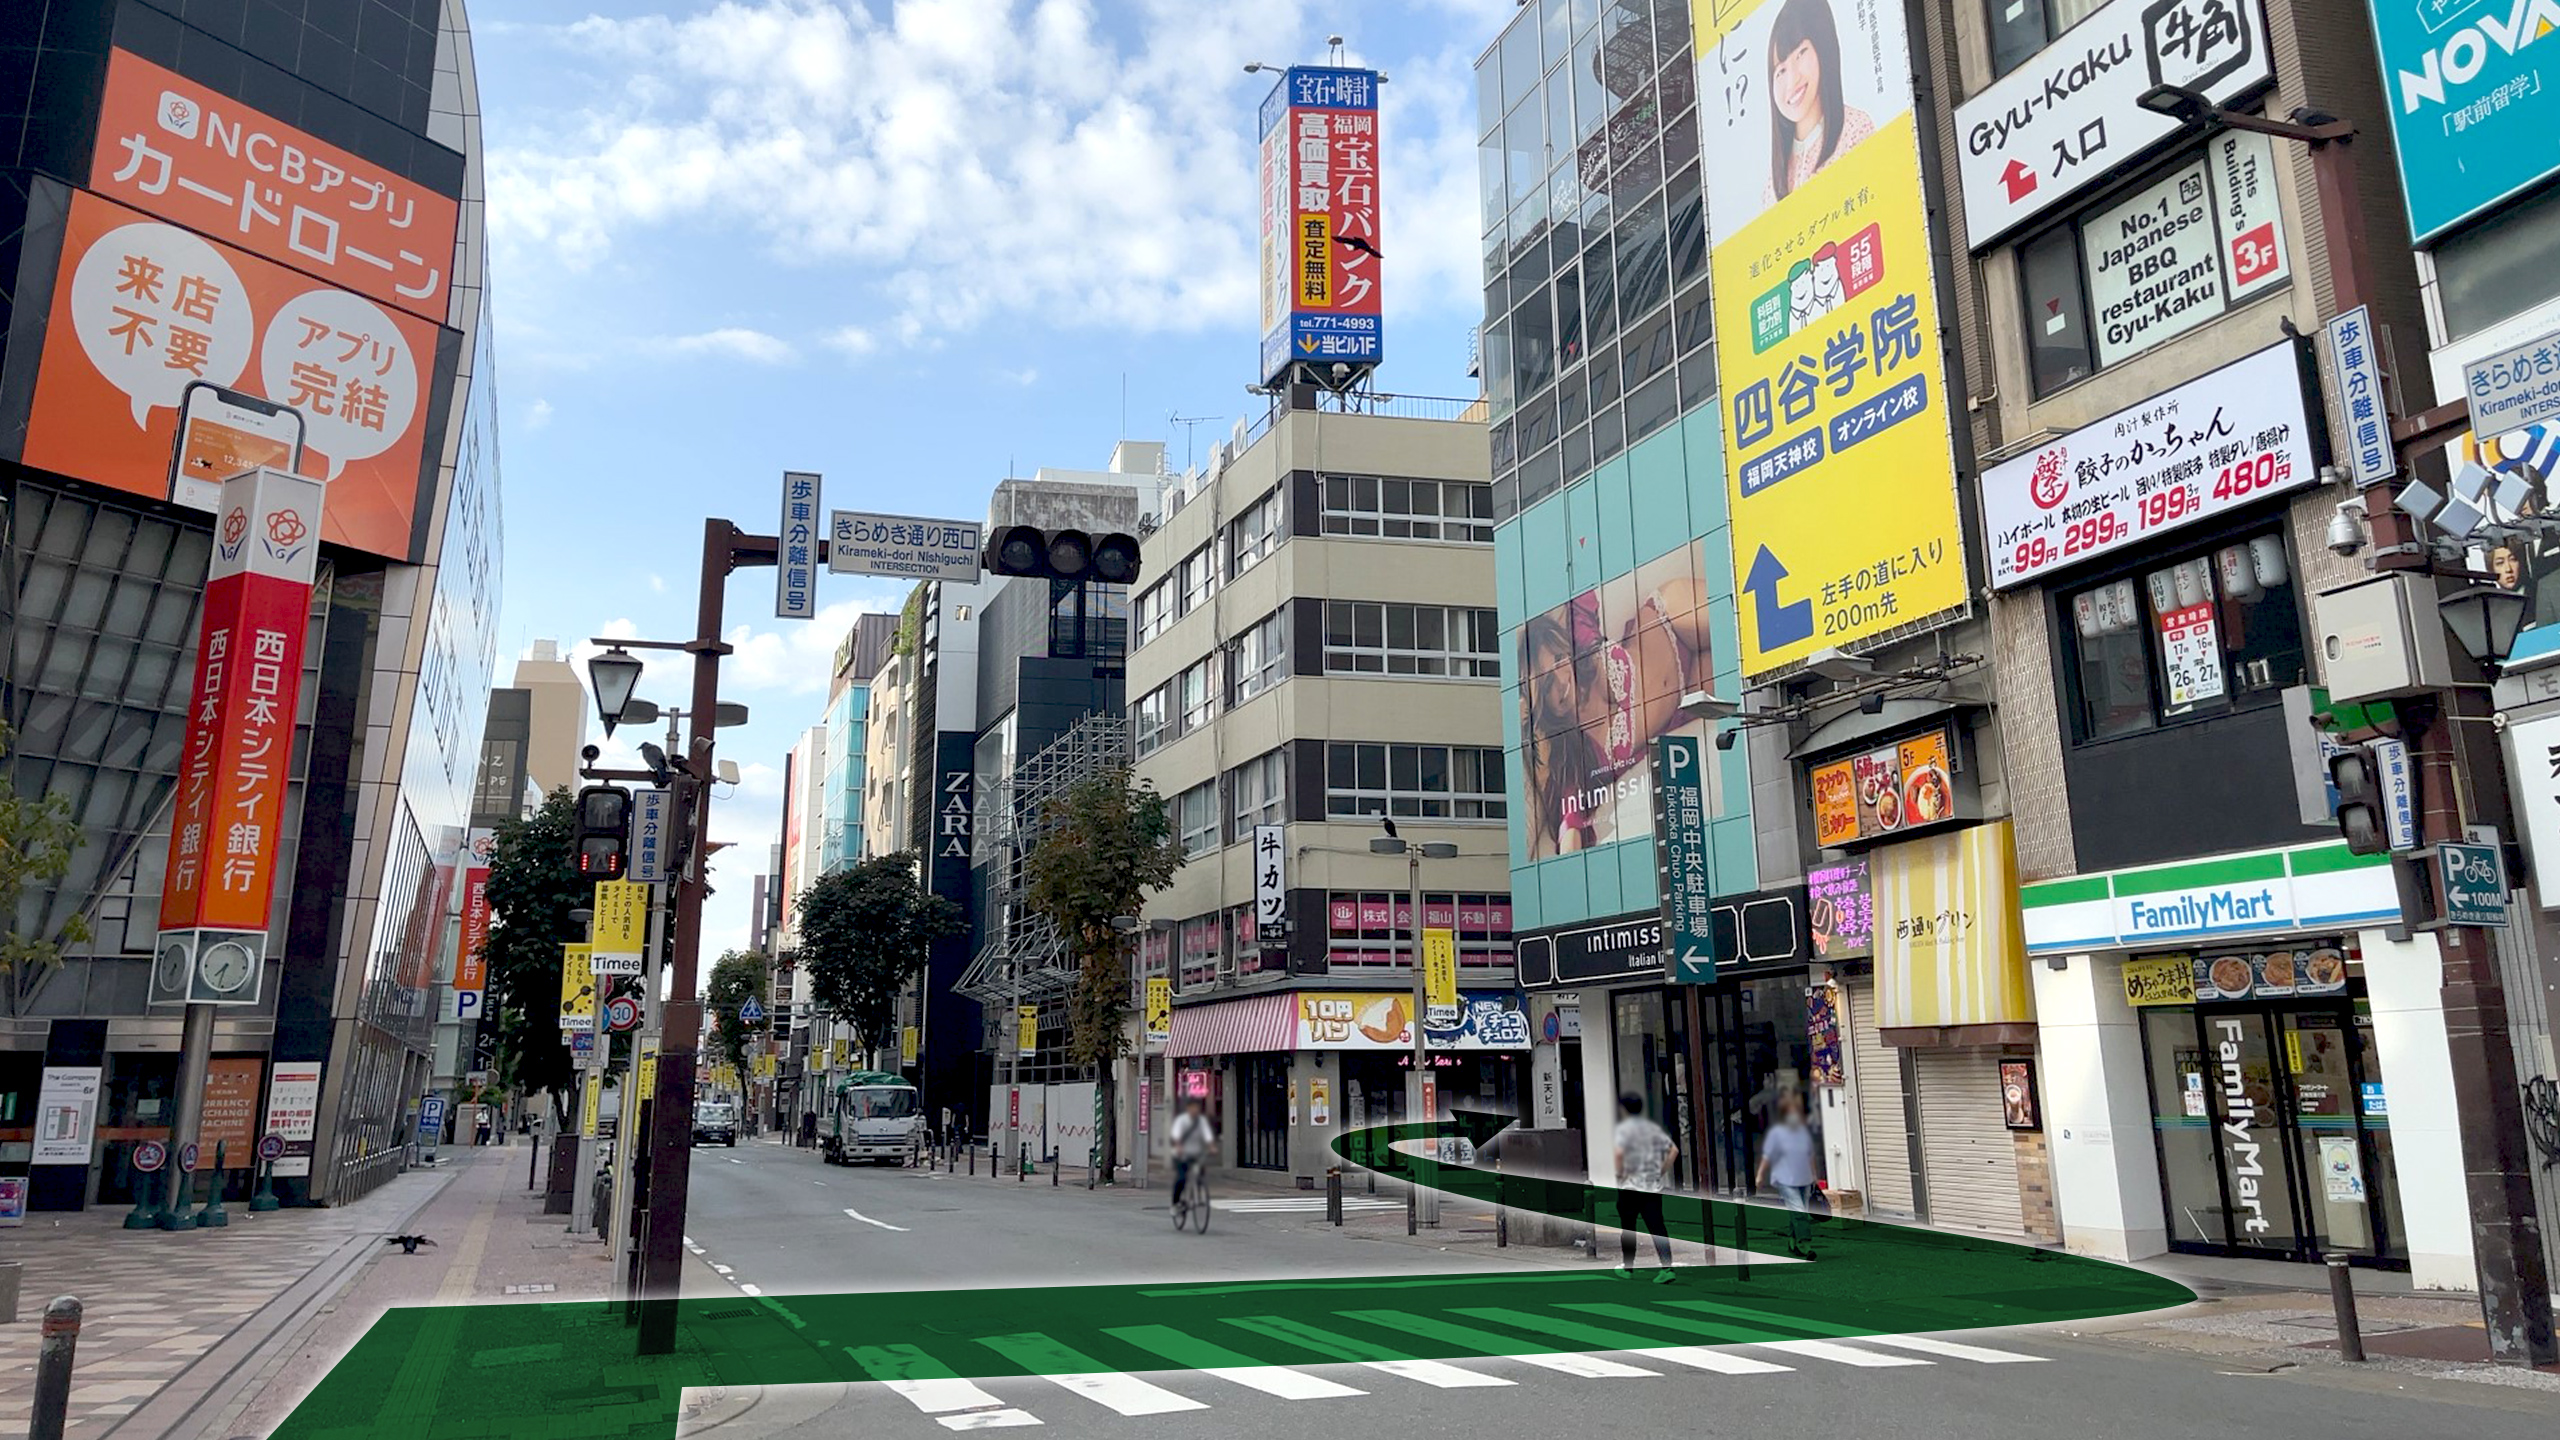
pixel 1235 1027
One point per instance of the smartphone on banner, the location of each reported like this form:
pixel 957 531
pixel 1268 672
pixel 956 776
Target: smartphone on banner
pixel 222 432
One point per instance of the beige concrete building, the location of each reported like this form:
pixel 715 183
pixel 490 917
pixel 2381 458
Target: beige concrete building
pixel 1314 648
pixel 560 715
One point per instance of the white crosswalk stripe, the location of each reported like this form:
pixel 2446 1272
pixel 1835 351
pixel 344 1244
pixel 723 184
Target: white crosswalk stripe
pixel 1125 1393
pixel 1833 1350
pixel 1438 1374
pixel 1949 1349
pixel 1308 1205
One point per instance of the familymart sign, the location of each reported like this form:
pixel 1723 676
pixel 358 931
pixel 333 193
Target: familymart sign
pixel 2257 892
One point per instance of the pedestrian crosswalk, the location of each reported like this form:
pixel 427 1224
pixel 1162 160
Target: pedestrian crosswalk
pixel 1039 1379
pixel 1300 1205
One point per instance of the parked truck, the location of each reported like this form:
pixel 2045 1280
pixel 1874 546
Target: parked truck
pixel 872 1115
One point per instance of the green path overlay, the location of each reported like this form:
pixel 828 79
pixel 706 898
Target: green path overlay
pixel 560 1371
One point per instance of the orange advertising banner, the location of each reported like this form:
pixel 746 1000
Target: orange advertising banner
pixel 155 330
pixel 226 828
pixel 1900 787
pixel 186 152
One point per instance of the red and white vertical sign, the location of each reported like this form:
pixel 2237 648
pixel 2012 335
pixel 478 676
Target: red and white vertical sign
pixel 471 957
pixel 225 833
pixel 1320 249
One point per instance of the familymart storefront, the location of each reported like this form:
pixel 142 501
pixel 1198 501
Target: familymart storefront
pixel 2239 1060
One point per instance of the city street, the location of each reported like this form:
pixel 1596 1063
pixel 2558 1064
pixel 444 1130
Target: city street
pixel 774 1221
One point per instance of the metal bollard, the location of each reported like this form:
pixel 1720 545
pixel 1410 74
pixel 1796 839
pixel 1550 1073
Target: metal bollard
pixel 973 1157
pixel 1333 1194
pixel 53 1368
pixel 1056 1159
pixel 2342 1300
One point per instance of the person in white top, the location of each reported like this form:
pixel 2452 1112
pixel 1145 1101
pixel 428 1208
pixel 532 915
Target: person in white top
pixel 1645 1157
pixel 1193 1138
pixel 1786 1161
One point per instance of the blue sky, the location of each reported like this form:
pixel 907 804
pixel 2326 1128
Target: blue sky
pixel 915 246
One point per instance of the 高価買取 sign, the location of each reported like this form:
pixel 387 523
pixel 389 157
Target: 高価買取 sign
pixel 2224 439
pixel 2472 109
pixel 2072 114
pixel 902 547
pixel 1320 262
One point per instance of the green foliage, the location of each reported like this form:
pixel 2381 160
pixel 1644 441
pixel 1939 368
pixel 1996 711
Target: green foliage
pixel 37 838
pixel 531 892
pixel 737 976
pixel 910 624
pixel 865 931
pixel 1107 843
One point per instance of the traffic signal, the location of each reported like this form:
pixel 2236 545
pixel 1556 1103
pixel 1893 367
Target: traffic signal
pixel 1071 555
pixel 2362 815
pixel 604 833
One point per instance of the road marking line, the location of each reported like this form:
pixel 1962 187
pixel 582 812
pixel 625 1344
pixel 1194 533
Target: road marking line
pixel 720 1268
pixel 1210 1358
pixel 988 1420
pixel 1600 1337
pixel 1680 1323
pixel 1843 1354
pixel 1951 1350
pixel 1774 1319
pixel 1699 1357
pixel 732 1159
pixel 1437 1374
pixel 749 1290
pixel 883 1224
pixel 939 1395
pixel 1589 1367
pixel 1070 1369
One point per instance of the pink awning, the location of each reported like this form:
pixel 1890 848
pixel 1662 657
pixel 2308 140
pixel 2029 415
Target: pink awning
pixel 1235 1027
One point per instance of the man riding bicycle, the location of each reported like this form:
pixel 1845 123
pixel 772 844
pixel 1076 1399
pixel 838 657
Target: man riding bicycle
pixel 1193 1139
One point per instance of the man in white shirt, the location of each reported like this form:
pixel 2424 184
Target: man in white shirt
pixel 1645 1157
pixel 1193 1137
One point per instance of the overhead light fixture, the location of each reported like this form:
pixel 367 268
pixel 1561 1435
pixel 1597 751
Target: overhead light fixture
pixel 2484 620
pixel 615 674
pixel 1833 663
pixel 1871 703
pixel 1702 705
pixel 2177 103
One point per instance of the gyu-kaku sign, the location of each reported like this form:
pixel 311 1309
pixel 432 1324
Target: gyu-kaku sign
pixel 902 547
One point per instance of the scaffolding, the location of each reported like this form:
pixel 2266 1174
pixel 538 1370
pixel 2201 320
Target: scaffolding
pixel 1025 961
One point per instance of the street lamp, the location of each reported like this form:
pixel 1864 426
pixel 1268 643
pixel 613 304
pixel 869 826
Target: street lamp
pixel 2484 619
pixel 1420 1206
pixel 615 674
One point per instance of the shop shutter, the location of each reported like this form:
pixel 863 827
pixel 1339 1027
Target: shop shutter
pixel 1965 1149
pixel 1883 1137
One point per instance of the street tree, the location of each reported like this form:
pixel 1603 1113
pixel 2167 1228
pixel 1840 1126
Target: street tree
pixel 37 838
pixel 865 931
pixel 532 889
pixel 737 977
pixel 1103 847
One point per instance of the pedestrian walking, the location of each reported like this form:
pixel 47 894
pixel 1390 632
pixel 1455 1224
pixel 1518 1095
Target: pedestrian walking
pixel 808 1129
pixel 1786 1161
pixel 1645 1157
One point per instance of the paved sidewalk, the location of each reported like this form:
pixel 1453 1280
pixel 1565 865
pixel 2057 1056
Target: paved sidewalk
pixel 157 1303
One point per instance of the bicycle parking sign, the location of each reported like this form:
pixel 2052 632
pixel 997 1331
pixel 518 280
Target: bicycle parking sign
pixel 2475 890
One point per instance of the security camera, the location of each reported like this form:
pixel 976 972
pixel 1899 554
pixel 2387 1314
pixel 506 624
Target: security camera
pixel 2346 528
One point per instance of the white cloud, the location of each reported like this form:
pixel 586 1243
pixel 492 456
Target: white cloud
pixel 538 416
pixel 798 657
pixel 730 342
pixel 657 584
pixel 959 160
pixel 1024 376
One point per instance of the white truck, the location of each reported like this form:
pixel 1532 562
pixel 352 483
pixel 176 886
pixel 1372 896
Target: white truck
pixel 872 1115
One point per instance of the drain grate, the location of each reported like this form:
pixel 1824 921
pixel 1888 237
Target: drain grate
pixel 543 1289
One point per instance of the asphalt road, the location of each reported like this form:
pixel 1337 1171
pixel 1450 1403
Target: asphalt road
pixel 775 1222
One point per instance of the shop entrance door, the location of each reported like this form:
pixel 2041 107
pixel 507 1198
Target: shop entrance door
pixel 1755 1050
pixel 1262 1122
pixel 2274 1139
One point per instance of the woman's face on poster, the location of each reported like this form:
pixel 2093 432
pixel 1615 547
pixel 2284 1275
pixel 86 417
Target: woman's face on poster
pixel 1795 85
pixel 2508 567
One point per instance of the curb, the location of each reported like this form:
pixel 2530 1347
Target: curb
pixel 225 1364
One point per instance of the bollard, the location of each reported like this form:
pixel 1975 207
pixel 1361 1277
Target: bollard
pixel 53 1368
pixel 1412 1212
pixel 146 1183
pixel 973 1157
pixel 213 1216
pixel 2342 1300
pixel 1333 1194
pixel 265 1200
pixel 1056 1158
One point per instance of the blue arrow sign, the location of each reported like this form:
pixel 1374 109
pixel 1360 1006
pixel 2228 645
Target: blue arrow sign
pixel 1779 625
pixel 751 1011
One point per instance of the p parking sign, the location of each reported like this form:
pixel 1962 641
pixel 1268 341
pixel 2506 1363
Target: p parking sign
pixel 2473 883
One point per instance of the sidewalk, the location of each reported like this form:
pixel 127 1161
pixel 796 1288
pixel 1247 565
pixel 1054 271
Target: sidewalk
pixel 161 1309
pixel 493 1246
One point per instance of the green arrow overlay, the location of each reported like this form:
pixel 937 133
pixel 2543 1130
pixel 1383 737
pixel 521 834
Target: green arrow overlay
pixel 549 1372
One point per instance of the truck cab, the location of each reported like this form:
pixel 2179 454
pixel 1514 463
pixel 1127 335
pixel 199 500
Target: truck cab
pixel 874 1116
pixel 715 1122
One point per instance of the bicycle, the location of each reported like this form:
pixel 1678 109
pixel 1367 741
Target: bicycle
pixel 1191 1203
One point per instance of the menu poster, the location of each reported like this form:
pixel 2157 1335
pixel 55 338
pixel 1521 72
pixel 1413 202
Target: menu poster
pixel 2271 974
pixel 1842 914
pixel 2191 656
pixel 1885 791
pixel 1822 1034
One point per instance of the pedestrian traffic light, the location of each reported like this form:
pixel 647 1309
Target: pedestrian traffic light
pixel 604 833
pixel 1071 555
pixel 2362 818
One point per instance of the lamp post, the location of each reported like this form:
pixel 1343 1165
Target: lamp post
pixel 2515 1289
pixel 1421 1204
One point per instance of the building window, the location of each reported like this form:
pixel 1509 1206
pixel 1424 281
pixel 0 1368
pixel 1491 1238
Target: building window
pixel 2203 635
pixel 1196 579
pixel 1147 721
pixel 2020 28
pixel 1431 782
pixel 1451 511
pixel 1155 610
pixel 1372 928
pixel 1195 699
pixel 2501 266
pixel 1199 944
pixel 1367 637
pixel 2148 264
pixel 1259 659
pixel 1257 794
pixel 1195 819
pixel 1254 534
